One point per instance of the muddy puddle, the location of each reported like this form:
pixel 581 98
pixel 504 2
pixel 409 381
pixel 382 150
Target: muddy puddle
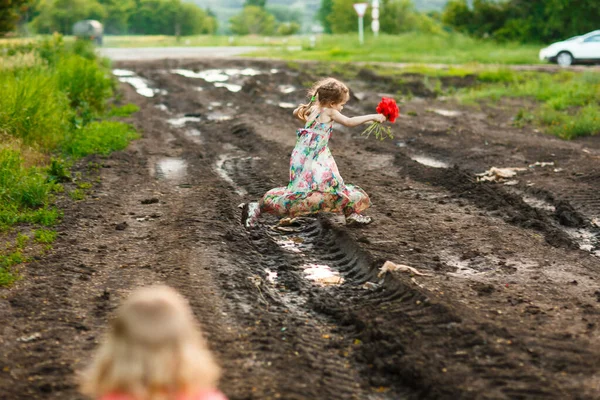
pixel 141 85
pixel 429 161
pixel 170 168
pixel 181 121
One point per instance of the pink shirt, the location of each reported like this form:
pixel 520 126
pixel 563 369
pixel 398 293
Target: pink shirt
pixel 205 395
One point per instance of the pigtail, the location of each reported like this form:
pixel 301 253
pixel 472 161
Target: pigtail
pixel 304 110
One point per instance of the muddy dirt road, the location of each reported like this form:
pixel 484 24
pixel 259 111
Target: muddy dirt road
pixel 509 309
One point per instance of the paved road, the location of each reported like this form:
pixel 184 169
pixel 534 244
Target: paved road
pixel 160 53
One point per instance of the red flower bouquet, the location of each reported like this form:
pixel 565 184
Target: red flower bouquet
pixel 389 108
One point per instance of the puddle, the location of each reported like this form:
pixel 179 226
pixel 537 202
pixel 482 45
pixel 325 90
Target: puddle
pixel 162 107
pixel 171 168
pixel 538 203
pixel 209 75
pixel 271 275
pixel 199 89
pixel 587 240
pixel 274 71
pixel 194 135
pixel 286 89
pixel 180 122
pixel 218 117
pixel 446 113
pixel 122 72
pixel 322 274
pixel 288 244
pixel 216 75
pixel 430 162
pixel 232 87
pixel 222 172
pixel 287 105
pixel 140 85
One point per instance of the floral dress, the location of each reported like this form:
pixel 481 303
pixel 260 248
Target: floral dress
pixel 315 182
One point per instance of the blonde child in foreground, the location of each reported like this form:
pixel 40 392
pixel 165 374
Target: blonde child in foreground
pixel 315 183
pixel 153 351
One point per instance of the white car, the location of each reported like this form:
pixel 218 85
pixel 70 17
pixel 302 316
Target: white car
pixel 578 49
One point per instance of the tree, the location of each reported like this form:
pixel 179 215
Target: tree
pixel 61 15
pixel 323 15
pixel 255 3
pixel 286 13
pixel 253 20
pixel 9 14
pixel 398 16
pixel 523 20
pixel 169 17
pixel 117 14
pixel 288 28
pixel 344 19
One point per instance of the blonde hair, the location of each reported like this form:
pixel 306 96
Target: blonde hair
pixel 153 350
pixel 326 92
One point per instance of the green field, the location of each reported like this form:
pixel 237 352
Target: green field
pixel 408 48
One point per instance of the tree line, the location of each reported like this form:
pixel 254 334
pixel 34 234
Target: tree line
pixel 523 20
pixel 515 20
pixel 164 17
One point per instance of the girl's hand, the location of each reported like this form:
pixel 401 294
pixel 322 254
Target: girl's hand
pixel 380 118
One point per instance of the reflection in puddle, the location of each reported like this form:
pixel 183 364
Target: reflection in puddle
pixel 209 75
pixel 271 275
pixel 287 244
pixel 194 135
pixel 216 75
pixel 447 113
pixel 122 72
pixel 229 86
pixel 287 105
pixel 429 161
pixel 586 239
pixel 218 117
pixel 171 168
pixel 538 203
pixel 140 85
pixel 179 122
pixel 322 274
pixel 285 89
pixel 222 172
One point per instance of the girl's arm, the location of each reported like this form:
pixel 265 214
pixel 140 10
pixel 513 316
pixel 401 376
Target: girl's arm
pixel 338 117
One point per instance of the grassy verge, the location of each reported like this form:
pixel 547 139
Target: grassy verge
pixel 408 48
pixel 52 112
pixel 566 104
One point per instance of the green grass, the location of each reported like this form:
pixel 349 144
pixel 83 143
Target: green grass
pixel 200 40
pixel 409 48
pixel 566 102
pixel 123 111
pixel 53 106
pixel 99 138
pixel 44 236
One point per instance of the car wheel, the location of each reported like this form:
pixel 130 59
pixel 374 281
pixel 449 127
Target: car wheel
pixel 564 59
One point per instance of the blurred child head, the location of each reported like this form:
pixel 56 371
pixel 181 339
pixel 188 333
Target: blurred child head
pixel 328 92
pixel 153 350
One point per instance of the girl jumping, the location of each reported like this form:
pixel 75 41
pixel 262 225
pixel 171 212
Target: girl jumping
pixel 315 183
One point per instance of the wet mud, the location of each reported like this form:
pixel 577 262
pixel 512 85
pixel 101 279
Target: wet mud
pixel 508 308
